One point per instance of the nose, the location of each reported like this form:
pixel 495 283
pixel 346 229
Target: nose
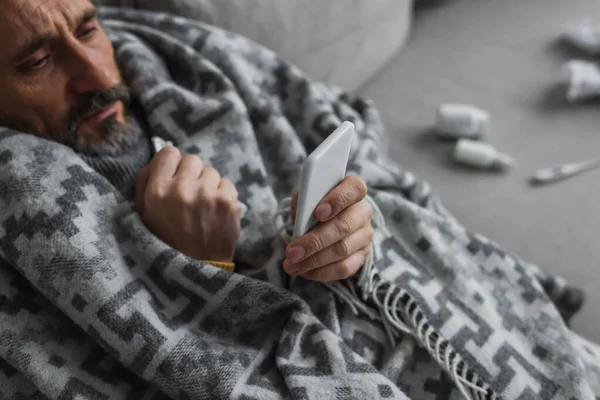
pixel 89 73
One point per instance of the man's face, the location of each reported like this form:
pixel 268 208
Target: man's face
pixel 58 76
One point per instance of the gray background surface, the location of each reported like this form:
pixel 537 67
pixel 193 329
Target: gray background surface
pixel 502 56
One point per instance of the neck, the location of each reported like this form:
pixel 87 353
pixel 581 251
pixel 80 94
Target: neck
pixel 120 168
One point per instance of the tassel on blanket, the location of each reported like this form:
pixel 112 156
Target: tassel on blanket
pixel 396 309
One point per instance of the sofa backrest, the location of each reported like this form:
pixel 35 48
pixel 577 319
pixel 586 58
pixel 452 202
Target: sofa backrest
pixel 344 42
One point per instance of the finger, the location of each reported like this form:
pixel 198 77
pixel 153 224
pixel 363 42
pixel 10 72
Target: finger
pixel 210 179
pixel 189 168
pixel 340 270
pixel 350 191
pixel 164 165
pixel 294 206
pixel 141 181
pixel 228 189
pixel 324 235
pixel 339 251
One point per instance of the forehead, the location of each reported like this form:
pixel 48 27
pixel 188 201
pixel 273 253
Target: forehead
pixel 21 20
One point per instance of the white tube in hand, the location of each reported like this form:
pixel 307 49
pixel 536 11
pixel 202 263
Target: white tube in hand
pixel 582 79
pixel 159 143
pixel 481 155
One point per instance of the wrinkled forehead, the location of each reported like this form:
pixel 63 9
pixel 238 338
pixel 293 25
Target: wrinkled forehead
pixel 22 20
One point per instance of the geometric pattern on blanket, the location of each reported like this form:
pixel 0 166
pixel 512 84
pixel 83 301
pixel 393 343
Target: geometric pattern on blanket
pixel 92 305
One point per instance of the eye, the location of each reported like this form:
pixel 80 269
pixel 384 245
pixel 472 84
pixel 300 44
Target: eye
pixel 87 33
pixel 37 64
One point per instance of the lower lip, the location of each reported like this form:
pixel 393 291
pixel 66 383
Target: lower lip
pixel 103 114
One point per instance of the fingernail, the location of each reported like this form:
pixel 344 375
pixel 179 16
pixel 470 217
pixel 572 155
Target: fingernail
pixel 295 253
pixel 290 268
pixel 324 211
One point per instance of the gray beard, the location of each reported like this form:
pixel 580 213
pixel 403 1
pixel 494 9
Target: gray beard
pixel 117 138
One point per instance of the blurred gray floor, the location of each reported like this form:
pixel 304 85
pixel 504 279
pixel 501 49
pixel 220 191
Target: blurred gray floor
pixel 501 56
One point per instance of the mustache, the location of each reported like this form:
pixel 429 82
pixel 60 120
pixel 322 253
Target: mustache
pixel 90 103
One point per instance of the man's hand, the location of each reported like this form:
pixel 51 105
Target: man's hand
pixel 189 207
pixel 337 247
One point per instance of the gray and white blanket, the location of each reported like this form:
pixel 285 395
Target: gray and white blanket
pixel 93 306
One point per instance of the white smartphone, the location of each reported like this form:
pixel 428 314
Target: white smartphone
pixel 323 170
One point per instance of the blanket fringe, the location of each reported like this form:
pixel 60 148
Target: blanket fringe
pixel 397 310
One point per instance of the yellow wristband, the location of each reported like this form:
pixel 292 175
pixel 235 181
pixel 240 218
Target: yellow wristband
pixel 227 266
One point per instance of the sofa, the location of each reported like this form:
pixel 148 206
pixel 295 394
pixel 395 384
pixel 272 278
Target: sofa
pixel 345 42
pixel 501 56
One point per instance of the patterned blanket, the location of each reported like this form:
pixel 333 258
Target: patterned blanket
pixel 94 306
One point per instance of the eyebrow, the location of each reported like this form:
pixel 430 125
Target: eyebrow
pixel 87 16
pixel 41 41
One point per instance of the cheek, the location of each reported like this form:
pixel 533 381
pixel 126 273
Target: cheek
pixel 34 108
